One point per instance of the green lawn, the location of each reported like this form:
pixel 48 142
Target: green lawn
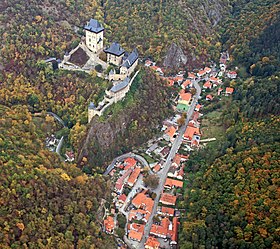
pixel 182 107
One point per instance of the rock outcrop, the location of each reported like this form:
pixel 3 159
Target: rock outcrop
pixel 175 57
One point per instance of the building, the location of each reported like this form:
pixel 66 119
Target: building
pixel 166 211
pixel 229 90
pixel 207 85
pixel 168 199
pixel 191 132
pixel 130 63
pixel 115 54
pixel 121 181
pixel 129 162
pixel 186 84
pixel 171 183
pixel 185 98
pixel 175 228
pixel 176 160
pixel 109 224
pixel 209 97
pixel 152 243
pixel 94 35
pixel 170 133
pixel 119 90
pixel 134 235
pixel 133 177
pixel 232 74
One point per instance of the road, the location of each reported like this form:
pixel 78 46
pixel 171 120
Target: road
pixel 163 174
pixel 58 147
pixel 57 118
pixel 139 158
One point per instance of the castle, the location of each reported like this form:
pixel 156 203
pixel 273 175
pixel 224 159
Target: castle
pixel 124 62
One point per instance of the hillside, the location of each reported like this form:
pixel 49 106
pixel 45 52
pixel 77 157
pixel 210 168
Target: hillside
pixel 128 123
pixel 44 203
pixel 231 199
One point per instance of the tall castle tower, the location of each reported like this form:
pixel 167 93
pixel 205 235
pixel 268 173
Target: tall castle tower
pixel 94 35
pixel 91 111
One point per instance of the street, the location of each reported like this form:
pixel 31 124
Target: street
pixel 163 173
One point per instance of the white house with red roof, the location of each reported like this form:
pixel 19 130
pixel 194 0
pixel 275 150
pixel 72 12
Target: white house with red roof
pixel 232 74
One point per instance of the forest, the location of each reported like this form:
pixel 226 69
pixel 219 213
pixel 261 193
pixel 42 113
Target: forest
pixel 232 198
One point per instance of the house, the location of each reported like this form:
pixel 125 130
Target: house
pixel 109 224
pixel 207 85
pixel 164 152
pixel 229 90
pixel 133 177
pixel 170 133
pixel 190 132
pixel 176 160
pixel 94 35
pixel 175 228
pixel 215 80
pixel 232 74
pixel 162 229
pixel 136 236
pixel 168 199
pixel 207 69
pixel 187 84
pixel 152 243
pixel 166 211
pixel 148 63
pixel 180 174
pixel 157 168
pixel 171 183
pixel 136 231
pixel 129 162
pixel 197 108
pixel 120 182
pixel 143 202
pixel 179 79
pixel 185 98
pixel 170 82
pixel 201 73
pixel 220 91
pixel 70 157
pixel 115 54
pixel 209 97
pixel 121 200
pixel 191 76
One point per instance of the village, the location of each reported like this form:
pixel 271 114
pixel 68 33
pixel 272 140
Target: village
pixel 132 198
pixel 144 212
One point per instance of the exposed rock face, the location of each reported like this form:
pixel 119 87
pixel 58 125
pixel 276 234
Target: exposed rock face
pixel 175 57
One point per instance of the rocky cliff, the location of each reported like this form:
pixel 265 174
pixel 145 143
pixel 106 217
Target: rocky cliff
pixel 129 123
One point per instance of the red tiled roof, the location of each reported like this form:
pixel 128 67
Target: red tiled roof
pixel 168 211
pixel 135 235
pixel 191 76
pixel 129 163
pixel 229 90
pixel 157 168
pixel 109 224
pixel 122 198
pixel 134 176
pixel 209 96
pixel 152 243
pixel 168 199
pixel 177 159
pixel 190 132
pixel 185 96
pixel 207 84
pixel 173 183
pixel 170 131
pixel 186 83
pixel 175 227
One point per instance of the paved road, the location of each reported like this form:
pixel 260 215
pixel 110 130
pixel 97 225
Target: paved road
pixel 58 147
pixel 139 158
pixel 57 118
pixel 163 174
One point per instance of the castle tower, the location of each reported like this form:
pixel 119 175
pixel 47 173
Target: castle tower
pixel 91 111
pixel 94 35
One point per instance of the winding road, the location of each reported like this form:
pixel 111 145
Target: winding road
pixel 139 158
